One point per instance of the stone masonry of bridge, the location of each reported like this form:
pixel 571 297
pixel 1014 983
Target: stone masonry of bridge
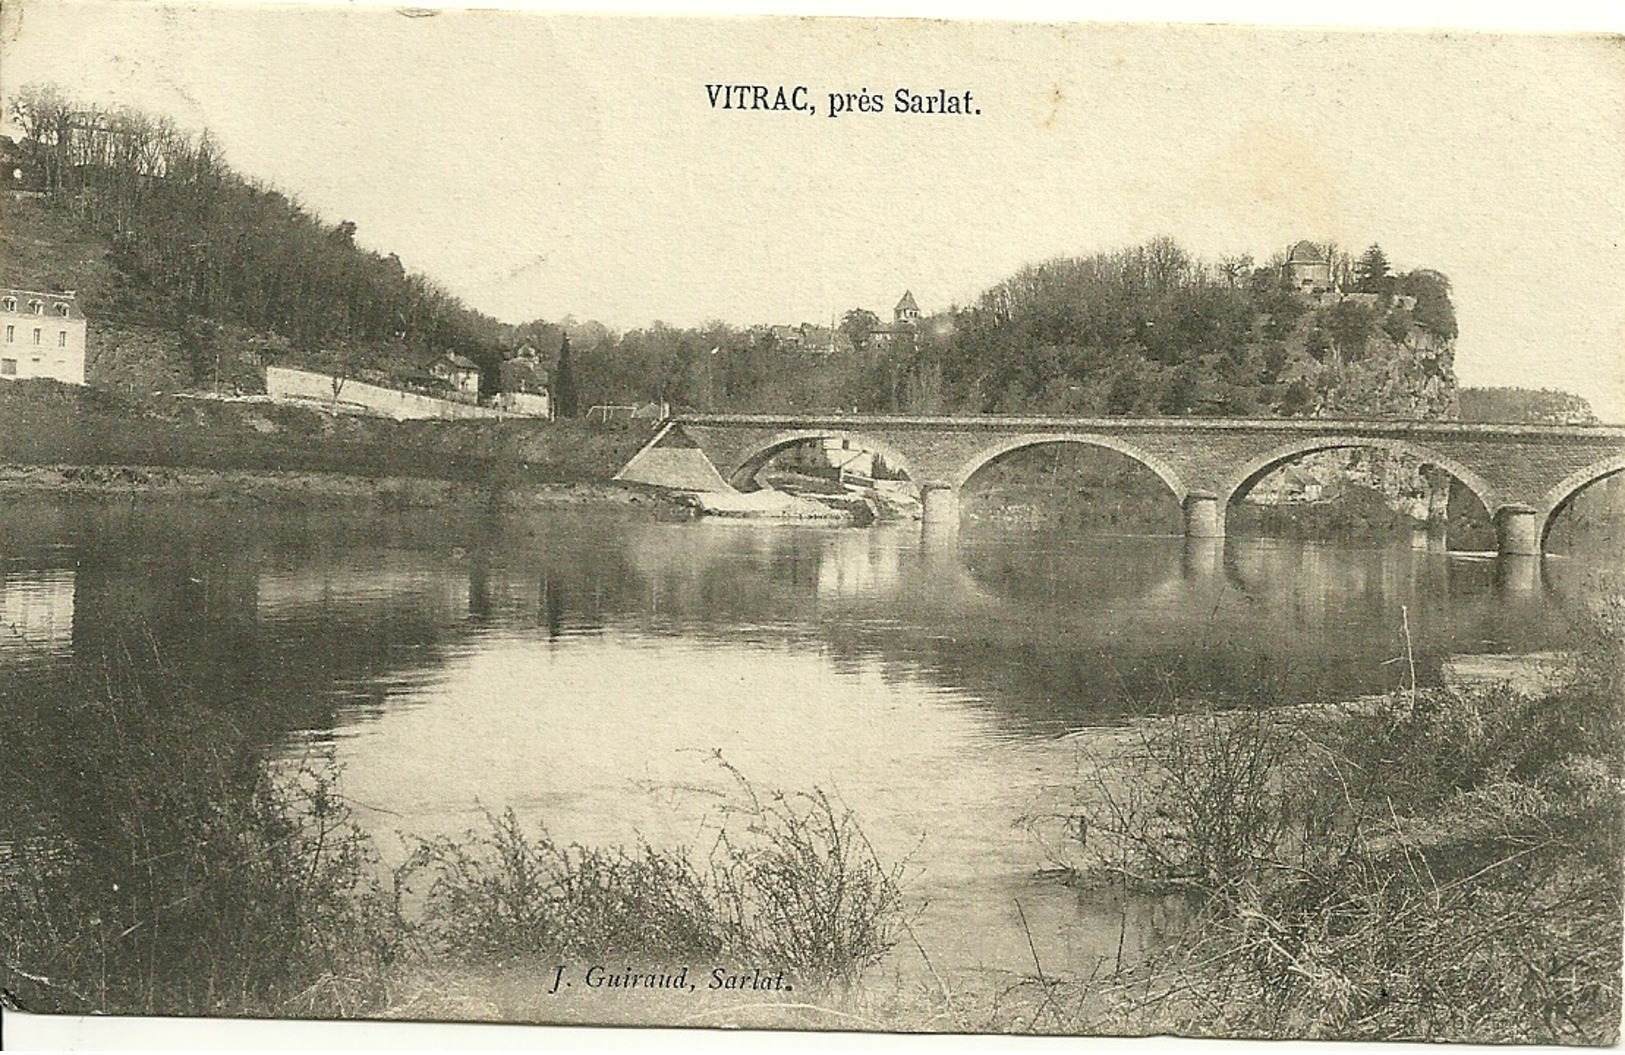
pixel 1522 473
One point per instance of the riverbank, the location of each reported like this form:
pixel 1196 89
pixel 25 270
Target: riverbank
pixel 45 423
pixel 1225 826
pixel 314 488
pixel 1404 867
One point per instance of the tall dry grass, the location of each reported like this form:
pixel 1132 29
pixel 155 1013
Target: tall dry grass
pixel 1445 865
pixel 789 884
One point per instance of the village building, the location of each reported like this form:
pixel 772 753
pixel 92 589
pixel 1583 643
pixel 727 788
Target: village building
pixel 458 373
pixel 43 336
pixel 524 384
pixel 905 325
pixel 786 336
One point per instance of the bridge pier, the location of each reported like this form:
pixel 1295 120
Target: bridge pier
pixel 939 509
pixel 1517 532
pixel 1438 497
pixel 1202 515
pixel 1438 536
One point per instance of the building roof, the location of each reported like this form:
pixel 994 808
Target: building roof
pixel 1306 252
pixel 25 297
pixel 907 303
pixel 458 361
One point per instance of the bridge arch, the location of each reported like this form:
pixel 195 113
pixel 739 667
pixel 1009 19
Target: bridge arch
pixel 758 456
pixel 993 452
pixel 1243 479
pixel 1564 491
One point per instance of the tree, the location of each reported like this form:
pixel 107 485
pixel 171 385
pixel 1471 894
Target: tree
pixel 340 363
pixel 1235 268
pixel 1349 325
pixel 1433 310
pixel 858 325
pixel 1546 406
pixel 200 348
pixel 565 398
pixel 1371 272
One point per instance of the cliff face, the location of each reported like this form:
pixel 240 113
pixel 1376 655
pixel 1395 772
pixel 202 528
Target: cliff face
pixel 1365 356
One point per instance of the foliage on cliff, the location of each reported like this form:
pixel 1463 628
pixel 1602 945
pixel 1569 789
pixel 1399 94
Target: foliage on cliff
pixel 1147 330
pixel 1152 330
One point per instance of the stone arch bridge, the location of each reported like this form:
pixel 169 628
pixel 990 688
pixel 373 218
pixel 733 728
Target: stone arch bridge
pixel 1522 473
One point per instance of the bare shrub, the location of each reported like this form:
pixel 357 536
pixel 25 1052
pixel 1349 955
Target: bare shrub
pixel 801 888
pixel 1210 794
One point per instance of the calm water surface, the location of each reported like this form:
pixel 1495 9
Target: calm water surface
pixel 589 670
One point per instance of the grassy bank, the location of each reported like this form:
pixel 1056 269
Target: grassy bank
pixel 43 423
pixel 1434 865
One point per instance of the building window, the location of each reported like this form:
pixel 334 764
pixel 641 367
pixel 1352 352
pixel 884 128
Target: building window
pixel 11 334
pixel 62 338
pixel 36 307
pixel 62 310
pixel 8 367
pixel 10 303
pixel 36 336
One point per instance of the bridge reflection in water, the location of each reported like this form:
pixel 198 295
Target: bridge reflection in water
pixel 252 607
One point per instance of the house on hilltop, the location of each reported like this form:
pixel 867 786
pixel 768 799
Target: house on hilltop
pixel 44 336
pixel 524 384
pixel 1309 268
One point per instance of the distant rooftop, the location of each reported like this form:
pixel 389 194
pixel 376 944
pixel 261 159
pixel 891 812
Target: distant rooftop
pixel 22 301
pixel 1307 252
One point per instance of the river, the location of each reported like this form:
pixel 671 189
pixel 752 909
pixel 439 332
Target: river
pixel 594 670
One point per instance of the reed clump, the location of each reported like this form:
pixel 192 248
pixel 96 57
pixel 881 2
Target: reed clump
pixel 790 883
pixel 1443 864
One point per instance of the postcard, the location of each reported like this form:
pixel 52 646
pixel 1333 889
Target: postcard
pixel 821 524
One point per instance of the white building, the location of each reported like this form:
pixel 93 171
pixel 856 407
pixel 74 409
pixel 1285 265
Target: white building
pixel 41 335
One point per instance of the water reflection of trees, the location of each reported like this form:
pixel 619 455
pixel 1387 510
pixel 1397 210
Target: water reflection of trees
pixel 309 619
pixel 1058 631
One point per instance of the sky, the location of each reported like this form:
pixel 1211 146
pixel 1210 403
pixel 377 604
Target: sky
pixel 543 166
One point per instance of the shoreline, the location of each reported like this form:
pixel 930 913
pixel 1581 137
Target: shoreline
pixel 79 481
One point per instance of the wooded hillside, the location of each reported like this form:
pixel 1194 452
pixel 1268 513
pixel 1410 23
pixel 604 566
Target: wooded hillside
pixel 198 276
